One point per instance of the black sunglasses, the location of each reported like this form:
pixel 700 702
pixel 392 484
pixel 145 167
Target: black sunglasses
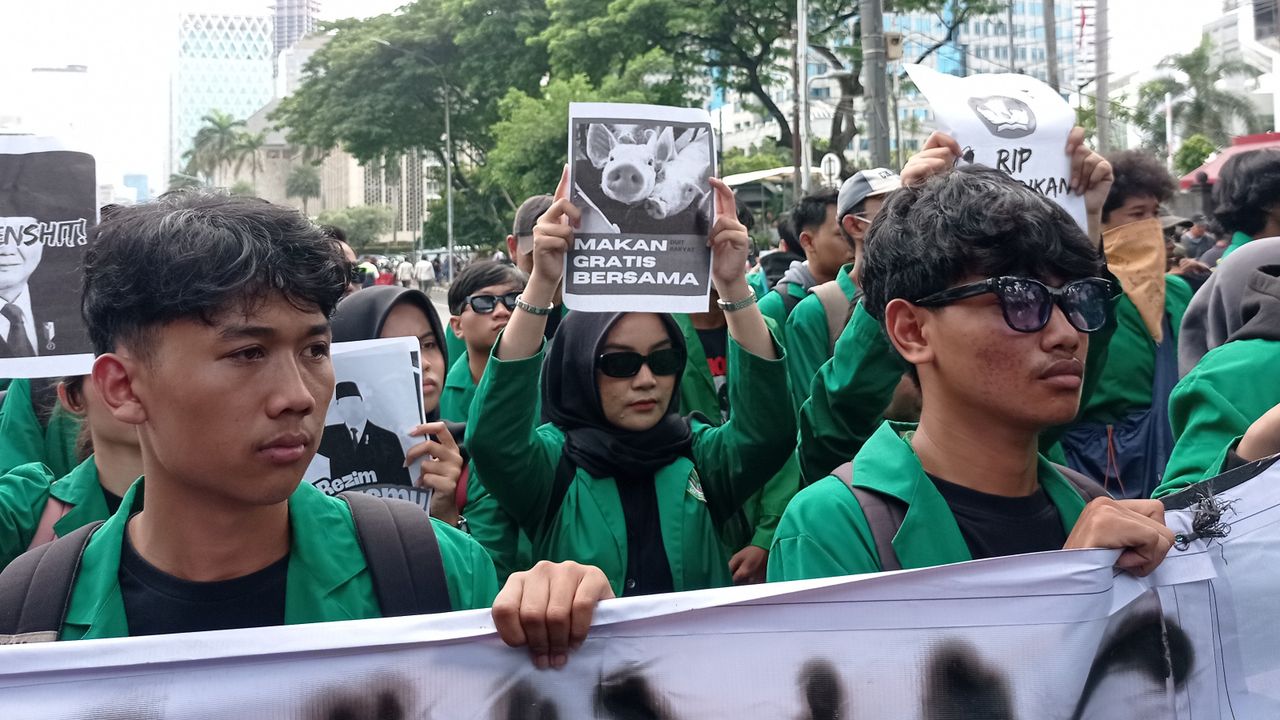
pixel 485 304
pixel 1027 303
pixel 667 361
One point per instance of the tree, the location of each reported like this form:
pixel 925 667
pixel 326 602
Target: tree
pixel 180 181
pixel 1199 105
pixel 1192 154
pixel 213 144
pixel 248 147
pixel 362 223
pixel 303 182
pixel 241 187
pixel 764 156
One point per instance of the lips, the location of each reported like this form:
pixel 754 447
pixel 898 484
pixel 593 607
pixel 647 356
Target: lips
pixel 286 449
pixel 643 405
pixel 1067 374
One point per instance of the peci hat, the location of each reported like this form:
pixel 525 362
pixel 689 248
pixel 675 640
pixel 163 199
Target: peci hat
pixel 346 388
pixel 864 184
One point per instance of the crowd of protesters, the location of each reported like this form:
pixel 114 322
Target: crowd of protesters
pixel 930 368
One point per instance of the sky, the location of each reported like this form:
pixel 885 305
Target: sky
pixel 128 46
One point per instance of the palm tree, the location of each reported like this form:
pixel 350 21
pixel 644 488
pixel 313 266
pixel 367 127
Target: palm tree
pixel 303 182
pixel 214 143
pixel 248 148
pixel 1199 105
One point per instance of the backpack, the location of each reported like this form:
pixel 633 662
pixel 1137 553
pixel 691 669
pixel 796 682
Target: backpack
pixel 885 513
pixel 397 538
pixel 837 309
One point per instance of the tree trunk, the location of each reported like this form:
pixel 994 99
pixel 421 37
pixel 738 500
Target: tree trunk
pixel 757 89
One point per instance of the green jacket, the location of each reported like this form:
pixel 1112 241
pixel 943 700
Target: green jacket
pixel 825 534
pixel 774 308
pixel 459 388
pixel 518 460
pixel 1215 404
pixel 23 439
pixel 454 345
pixel 758 282
pixel 698 394
pixel 327 577
pixel 1238 240
pixel 24 492
pixel 808 342
pixel 1125 383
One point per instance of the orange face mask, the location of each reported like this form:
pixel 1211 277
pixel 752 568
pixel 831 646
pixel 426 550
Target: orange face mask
pixel 1136 255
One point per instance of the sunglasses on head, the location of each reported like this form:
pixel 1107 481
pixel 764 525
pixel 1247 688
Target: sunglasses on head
pixel 667 361
pixel 485 304
pixel 1027 303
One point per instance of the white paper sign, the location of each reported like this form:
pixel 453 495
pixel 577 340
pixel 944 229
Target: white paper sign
pixel 1013 123
pixel 639 174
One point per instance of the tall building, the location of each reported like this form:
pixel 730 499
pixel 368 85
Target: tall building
pixel 292 60
pixel 295 19
pixel 1246 32
pixel 224 63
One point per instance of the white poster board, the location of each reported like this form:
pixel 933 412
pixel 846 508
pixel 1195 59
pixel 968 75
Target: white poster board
pixel 1011 122
pixel 639 174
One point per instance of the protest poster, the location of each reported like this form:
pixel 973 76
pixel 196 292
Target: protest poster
pixel 1047 635
pixel 48 201
pixel 639 174
pixel 1011 122
pixel 377 400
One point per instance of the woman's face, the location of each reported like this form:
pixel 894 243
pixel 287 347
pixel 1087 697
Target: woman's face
pixel 636 403
pixel 408 320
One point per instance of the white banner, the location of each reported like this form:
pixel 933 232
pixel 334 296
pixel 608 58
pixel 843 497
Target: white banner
pixel 1034 637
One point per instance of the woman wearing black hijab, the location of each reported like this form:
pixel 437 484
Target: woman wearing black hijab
pixel 617 479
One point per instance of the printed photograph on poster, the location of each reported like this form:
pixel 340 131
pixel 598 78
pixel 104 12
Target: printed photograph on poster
pixel 1013 123
pixel 377 401
pixel 48 201
pixel 639 174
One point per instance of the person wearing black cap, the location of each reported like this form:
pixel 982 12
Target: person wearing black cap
pixel 358 446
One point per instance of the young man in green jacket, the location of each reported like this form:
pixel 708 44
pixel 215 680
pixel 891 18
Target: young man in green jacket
pixel 210 319
pixel 1245 199
pixel 814 219
pixel 990 292
pixel 481 299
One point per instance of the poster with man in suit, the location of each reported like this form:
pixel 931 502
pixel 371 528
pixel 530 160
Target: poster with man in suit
pixel 360 446
pixel 47 207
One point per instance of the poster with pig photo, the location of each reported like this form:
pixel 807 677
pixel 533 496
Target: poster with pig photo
pixel 47 207
pixel 639 174
pixel 377 401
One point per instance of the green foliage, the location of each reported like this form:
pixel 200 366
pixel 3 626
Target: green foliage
pixel 1199 105
pixel 243 187
pixel 363 223
pixel 1192 154
pixel 478 220
pixel 764 156
pixel 248 148
pixel 303 182
pixel 1087 115
pixel 213 145
pixel 179 181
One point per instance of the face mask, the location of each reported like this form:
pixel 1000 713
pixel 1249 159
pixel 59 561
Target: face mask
pixel 1136 255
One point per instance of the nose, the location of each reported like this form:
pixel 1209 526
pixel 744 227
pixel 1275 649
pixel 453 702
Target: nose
pixel 644 379
pixel 625 178
pixel 1059 332
pixel 501 311
pixel 293 391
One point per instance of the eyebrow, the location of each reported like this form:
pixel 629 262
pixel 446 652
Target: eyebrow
pixel 627 348
pixel 235 332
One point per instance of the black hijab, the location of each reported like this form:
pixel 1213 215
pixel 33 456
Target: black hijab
pixel 571 401
pixel 361 315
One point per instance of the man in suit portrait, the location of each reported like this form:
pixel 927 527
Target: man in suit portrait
pixel 19 257
pixel 358 445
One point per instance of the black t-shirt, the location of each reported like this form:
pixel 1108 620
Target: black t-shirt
pixel 113 500
pixel 157 603
pixel 995 525
pixel 648 570
pixel 715 345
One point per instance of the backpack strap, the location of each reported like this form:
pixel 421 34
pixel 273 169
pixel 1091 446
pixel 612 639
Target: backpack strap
pixel 884 515
pixel 789 301
pixel 400 546
pixel 54 509
pixel 837 308
pixel 565 470
pixel 35 589
pixel 1083 484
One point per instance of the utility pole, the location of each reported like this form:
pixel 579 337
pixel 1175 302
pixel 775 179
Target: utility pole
pixel 1168 130
pixel 1102 82
pixel 877 90
pixel 1013 58
pixel 802 47
pixel 1051 42
pixel 796 89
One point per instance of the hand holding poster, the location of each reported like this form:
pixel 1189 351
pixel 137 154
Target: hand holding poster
pixel 47 198
pixel 1013 123
pixel 639 174
pixel 377 400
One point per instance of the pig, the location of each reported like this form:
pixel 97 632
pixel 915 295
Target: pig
pixel 682 180
pixel 628 170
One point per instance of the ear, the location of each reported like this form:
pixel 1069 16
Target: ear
pixel 905 323
pixel 512 246
pixel 806 241
pixel 455 325
pixel 600 142
pixel 114 376
pixel 853 226
pixel 664 146
pixel 73 405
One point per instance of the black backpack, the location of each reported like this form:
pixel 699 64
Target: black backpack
pixel 885 513
pixel 398 541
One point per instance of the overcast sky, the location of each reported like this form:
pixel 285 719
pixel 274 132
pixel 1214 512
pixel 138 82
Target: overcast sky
pixel 129 45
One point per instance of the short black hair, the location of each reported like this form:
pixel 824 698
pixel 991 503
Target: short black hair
pixel 746 217
pixel 195 254
pixel 811 212
pixel 787 240
pixel 1248 185
pixel 969 221
pixel 334 232
pixel 1145 642
pixel 1137 173
pixel 528 213
pixel 483 274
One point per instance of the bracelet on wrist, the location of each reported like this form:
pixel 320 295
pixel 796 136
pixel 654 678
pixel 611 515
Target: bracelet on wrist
pixel 734 306
pixel 533 309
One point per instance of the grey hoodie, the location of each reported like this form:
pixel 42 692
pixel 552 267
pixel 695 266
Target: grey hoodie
pixel 1229 301
pixel 799 274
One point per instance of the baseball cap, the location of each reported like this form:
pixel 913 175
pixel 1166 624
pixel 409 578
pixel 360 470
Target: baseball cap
pixel 864 184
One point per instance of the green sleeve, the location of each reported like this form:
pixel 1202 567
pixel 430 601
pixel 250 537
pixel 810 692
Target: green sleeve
pixel 21 436
pixel 847 397
pixel 823 533
pixel 773 500
pixel 24 490
pixel 495 529
pixel 772 307
pixel 467 567
pixel 808 346
pixel 757 281
pixel 737 458
pixel 516 458
pixel 1177 296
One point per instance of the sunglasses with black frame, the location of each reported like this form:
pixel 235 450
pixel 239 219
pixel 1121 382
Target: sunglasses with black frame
pixel 485 304
pixel 625 364
pixel 1027 304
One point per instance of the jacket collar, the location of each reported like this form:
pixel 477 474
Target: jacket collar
pixel 844 279
pixel 81 490
pixel 459 376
